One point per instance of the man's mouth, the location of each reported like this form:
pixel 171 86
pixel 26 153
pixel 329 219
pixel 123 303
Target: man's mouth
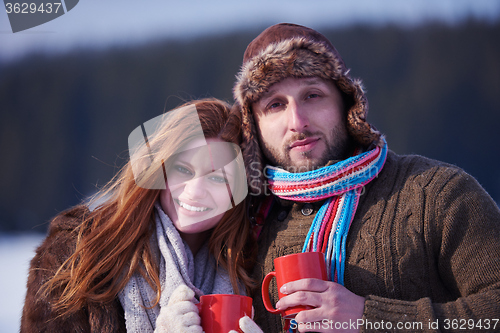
pixel 191 208
pixel 305 144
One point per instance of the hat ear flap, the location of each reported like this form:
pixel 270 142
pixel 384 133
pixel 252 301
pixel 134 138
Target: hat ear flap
pixel 357 126
pixel 252 154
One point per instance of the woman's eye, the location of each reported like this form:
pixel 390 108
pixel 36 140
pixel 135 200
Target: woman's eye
pixel 182 169
pixel 218 179
pixel 313 95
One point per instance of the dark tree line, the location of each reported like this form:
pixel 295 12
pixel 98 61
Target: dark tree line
pixel 64 120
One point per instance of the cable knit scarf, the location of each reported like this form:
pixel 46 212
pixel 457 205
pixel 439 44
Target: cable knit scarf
pixel 177 266
pixel 341 184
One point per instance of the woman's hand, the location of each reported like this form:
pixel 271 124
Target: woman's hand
pixel 181 314
pixel 247 325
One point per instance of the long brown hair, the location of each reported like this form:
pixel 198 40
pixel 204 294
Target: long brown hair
pixel 113 240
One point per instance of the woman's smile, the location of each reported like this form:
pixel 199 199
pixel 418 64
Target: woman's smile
pixel 191 208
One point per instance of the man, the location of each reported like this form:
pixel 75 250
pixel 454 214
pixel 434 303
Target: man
pixel 411 243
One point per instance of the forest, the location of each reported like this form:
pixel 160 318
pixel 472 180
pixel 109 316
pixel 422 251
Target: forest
pixel 433 90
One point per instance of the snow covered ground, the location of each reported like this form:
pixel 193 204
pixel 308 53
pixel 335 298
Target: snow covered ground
pixel 16 252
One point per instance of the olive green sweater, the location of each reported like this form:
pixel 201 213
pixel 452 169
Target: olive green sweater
pixel 424 247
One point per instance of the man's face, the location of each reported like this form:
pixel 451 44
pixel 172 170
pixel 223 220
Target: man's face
pixel 301 124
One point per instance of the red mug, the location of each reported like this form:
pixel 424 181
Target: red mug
pixel 221 313
pixel 291 268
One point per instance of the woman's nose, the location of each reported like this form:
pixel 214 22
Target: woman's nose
pixel 195 188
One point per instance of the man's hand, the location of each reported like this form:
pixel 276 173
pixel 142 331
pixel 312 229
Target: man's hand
pixel 332 304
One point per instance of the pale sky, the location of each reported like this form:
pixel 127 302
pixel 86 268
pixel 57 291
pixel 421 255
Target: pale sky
pixel 101 23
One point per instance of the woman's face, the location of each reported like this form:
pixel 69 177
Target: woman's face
pixel 198 185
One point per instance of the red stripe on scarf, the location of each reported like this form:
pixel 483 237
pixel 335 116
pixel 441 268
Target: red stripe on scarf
pixel 278 188
pixel 330 224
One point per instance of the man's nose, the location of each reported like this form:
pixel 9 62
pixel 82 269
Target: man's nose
pixel 298 117
pixel 195 188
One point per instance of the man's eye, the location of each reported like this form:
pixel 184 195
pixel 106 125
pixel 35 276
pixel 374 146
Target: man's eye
pixel 274 106
pixel 313 96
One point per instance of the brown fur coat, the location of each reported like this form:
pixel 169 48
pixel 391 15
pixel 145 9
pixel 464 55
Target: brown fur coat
pixel 37 313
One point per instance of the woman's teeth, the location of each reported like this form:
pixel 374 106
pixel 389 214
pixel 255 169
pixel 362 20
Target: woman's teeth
pixel 192 208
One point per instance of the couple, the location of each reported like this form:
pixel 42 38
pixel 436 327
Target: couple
pixel 409 240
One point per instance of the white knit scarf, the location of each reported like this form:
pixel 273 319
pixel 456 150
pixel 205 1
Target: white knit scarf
pixel 177 266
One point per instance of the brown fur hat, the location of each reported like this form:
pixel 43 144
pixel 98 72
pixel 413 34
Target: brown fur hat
pixel 289 50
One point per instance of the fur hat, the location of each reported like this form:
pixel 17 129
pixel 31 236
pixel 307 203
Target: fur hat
pixel 289 50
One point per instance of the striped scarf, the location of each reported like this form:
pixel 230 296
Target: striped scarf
pixel 341 184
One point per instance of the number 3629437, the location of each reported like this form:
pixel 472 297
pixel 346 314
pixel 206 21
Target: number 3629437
pixel 31 8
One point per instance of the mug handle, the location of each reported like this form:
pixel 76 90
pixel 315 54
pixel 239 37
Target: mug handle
pixel 265 293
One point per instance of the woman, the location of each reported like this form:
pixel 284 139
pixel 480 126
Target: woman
pixel 155 227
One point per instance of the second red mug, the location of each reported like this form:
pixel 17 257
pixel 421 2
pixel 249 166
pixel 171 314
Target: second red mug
pixel 221 313
pixel 291 268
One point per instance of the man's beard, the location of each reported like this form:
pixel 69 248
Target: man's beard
pixel 337 148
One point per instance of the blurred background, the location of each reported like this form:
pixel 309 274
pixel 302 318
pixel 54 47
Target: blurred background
pixel 72 90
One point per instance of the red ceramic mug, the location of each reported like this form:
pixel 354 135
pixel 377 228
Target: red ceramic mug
pixel 291 268
pixel 221 313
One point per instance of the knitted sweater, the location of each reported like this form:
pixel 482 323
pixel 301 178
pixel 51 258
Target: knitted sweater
pixel 423 248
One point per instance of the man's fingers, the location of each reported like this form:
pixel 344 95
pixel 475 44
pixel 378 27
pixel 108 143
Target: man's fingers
pixel 299 298
pixel 315 285
pixel 310 316
pixel 304 292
